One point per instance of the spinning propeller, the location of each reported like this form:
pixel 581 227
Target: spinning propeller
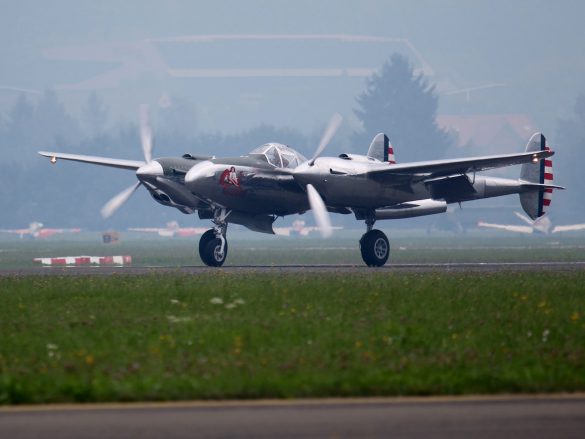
pixel 330 131
pixel 319 212
pixel 149 166
pixel 315 201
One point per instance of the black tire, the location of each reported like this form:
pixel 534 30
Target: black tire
pixel 213 257
pixel 203 241
pixel 375 248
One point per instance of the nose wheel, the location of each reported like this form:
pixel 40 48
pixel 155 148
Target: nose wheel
pixel 213 246
pixel 210 249
pixel 375 248
pixel 213 250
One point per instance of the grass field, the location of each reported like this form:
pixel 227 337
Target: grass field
pixel 171 337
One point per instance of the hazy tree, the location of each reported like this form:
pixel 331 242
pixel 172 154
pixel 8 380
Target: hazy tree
pixel 17 133
pixel 53 124
pixel 404 106
pixel 21 113
pixel 178 117
pixel 570 144
pixel 217 143
pixel 95 115
pixel 250 139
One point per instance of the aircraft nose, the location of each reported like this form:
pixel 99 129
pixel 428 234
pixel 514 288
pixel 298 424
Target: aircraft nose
pixel 152 168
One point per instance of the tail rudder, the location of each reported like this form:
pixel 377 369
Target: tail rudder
pixel 536 200
pixel 381 149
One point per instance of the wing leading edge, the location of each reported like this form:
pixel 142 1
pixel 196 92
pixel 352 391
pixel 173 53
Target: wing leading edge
pixel 102 161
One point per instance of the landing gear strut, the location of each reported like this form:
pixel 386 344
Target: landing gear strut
pixel 374 245
pixel 213 246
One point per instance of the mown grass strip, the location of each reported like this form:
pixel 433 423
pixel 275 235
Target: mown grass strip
pixel 219 335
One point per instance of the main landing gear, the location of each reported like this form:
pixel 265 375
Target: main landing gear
pixel 213 246
pixel 374 246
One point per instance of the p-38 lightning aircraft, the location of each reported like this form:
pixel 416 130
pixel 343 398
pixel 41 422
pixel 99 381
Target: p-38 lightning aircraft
pixel 171 230
pixel 274 180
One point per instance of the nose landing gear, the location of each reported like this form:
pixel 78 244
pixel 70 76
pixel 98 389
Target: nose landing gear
pixel 213 246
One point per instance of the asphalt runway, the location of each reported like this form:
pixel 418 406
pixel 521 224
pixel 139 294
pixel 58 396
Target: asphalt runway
pixel 536 417
pixel 487 267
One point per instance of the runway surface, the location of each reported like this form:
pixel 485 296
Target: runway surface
pixel 486 267
pixel 478 417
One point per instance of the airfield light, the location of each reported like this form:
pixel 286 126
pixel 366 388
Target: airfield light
pixel 53 160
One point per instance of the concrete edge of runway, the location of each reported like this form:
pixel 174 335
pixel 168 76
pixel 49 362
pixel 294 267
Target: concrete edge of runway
pixel 86 270
pixel 302 402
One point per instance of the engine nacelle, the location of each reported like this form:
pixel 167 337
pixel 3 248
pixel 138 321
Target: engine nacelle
pixel 412 209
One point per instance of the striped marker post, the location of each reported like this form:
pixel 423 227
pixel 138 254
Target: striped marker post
pixel 86 260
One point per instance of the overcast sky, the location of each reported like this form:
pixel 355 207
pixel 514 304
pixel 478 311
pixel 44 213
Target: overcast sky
pixel 536 48
pixel 290 63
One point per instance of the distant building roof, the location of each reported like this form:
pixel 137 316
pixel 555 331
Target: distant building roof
pixel 496 133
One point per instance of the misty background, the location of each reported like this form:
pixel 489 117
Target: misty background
pixel 442 79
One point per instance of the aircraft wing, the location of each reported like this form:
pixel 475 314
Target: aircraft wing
pixel 568 228
pixel 191 231
pixel 16 231
pixel 77 230
pixel 397 174
pixel 146 229
pixel 103 161
pixel 509 228
pixel 183 231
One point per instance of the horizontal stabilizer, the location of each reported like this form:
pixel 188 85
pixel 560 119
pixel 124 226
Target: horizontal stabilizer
pixel 508 227
pixel 528 185
pixel 568 228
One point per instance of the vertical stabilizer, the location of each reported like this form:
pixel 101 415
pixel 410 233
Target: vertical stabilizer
pixel 381 149
pixel 536 202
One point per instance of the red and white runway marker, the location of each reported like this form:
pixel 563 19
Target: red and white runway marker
pixel 86 260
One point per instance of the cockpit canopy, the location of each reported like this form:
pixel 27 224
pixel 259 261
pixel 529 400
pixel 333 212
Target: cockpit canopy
pixel 279 155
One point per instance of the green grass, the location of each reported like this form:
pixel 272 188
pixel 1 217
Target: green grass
pixel 130 338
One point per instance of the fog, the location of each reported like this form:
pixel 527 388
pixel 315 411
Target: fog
pixel 222 77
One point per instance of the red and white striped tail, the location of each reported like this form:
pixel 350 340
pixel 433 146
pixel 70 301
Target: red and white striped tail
pixel 547 179
pixel 537 180
pixel 391 158
pixel 86 260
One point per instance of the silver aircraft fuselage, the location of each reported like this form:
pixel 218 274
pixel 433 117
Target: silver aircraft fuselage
pixel 245 184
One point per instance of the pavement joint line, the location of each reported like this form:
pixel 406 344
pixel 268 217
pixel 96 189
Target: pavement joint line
pixel 309 402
